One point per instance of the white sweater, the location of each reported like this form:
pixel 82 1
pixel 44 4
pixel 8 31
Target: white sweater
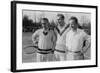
pixel 61 38
pixel 44 41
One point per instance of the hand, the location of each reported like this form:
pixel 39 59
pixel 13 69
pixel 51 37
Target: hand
pixel 35 43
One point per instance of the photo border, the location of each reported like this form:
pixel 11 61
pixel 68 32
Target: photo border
pixel 14 40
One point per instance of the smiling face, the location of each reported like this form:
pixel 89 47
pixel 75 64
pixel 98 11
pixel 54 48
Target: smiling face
pixel 73 24
pixel 44 23
pixel 60 19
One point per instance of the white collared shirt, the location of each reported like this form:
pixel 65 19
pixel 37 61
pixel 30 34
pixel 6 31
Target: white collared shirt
pixel 74 40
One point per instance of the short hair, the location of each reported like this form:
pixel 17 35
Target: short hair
pixel 45 19
pixel 74 18
pixel 61 15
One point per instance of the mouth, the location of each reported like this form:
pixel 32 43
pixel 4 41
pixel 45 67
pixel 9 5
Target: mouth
pixel 72 26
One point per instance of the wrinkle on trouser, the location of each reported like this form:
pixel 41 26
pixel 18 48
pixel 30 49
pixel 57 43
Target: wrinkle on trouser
pixel 45 57
pixel 74 56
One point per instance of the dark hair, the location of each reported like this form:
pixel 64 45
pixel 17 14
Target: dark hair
pixel 45 19
pixel 61 15
pixel 74 18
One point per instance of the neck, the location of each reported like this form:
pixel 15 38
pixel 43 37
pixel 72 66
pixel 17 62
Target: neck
pixel 46 29
pixel 74 29
pixel 62 25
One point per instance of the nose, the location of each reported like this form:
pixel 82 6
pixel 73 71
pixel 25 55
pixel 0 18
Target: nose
pixel 72 24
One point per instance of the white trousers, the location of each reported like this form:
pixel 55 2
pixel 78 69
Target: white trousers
pixel 45 57
pixel 60 56
pixel 74 56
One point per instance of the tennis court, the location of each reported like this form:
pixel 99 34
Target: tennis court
pixel 27 40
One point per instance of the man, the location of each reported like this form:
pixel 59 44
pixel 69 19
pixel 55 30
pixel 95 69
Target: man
pixel 74 41
pixel 45 39
pixel 61 29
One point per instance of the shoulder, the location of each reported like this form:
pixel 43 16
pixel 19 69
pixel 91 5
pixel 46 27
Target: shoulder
pixel 56 28
pixel 67 27
pixel 81 31
pixel 53 33
pixel 84 34
pixel 37 32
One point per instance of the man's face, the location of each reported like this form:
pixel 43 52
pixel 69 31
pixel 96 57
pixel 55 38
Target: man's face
pixel 73 24
pixel 60 20
pixel 44 23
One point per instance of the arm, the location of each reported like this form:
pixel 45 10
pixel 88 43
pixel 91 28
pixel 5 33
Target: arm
pixel 35 37
pixel 87 44
pixel 54 39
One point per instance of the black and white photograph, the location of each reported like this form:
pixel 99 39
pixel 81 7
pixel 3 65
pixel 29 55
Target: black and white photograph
pixel 51 36
pixel 55 36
